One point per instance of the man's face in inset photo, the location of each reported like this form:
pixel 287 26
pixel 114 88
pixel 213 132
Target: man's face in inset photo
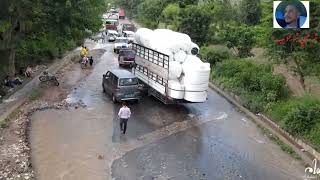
pixel 291 15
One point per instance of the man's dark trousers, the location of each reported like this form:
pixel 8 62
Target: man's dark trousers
pixel 123 125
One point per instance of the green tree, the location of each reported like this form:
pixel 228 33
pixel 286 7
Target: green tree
pixel 240 38
pixel 149 12
pixel 14 23
pixel 250 11
pixel 170 16
pixel 195 22
pixel 41 29
pixel 222 12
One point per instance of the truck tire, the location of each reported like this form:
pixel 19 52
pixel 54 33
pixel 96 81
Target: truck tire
pixel 103 89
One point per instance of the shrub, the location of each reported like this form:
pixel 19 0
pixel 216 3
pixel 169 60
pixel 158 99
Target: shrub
pixel 255 83
pixel 303 118
pixel 254 102
pixel 215 54
pixel 314 136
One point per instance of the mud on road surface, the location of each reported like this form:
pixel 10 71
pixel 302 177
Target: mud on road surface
pixel 210 140
pixel 14 144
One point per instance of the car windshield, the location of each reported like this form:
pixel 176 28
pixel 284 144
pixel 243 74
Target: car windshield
pixel 122 41
pixel 128 81
pixel 113 34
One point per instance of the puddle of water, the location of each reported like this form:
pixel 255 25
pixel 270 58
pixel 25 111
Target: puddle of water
pixel 68 144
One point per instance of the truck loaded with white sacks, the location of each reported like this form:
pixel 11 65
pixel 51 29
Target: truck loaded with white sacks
pixel 167 63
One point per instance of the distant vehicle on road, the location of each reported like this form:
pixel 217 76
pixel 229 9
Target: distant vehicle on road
pixel 121 43
pixel 126 27
pixel 112 35
pixel 121 85
pixel 122 14
pixel 129 35
pixel 126 57
pixel 111 24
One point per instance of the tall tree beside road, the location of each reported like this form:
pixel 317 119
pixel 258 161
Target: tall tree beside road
pixel 250 11
pixel 170 16
pixel 195 21
pixel 14 23
pixel 240 38
pixel 149 12
pixel 36 29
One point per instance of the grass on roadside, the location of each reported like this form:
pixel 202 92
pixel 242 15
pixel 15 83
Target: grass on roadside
pixel 35 94
pixel 284 147
pixel 5 122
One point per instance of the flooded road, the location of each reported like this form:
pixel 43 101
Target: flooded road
pixel 192 141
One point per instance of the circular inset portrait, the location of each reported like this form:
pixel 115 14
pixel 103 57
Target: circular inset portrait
pixel 291 14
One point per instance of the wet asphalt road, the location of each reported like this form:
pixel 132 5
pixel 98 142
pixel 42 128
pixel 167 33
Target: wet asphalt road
pixel 209 140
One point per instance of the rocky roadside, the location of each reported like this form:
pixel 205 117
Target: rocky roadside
pixel 15 160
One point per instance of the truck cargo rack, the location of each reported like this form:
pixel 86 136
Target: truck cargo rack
pixel 147 59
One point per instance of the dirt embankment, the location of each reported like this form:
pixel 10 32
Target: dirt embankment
pixel 14 147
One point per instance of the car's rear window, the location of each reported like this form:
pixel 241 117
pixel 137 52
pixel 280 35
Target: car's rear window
pixel 122 41
pixel 127 53
pixel 128 81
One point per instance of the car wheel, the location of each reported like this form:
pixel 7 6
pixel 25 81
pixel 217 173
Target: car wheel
pixel 114 99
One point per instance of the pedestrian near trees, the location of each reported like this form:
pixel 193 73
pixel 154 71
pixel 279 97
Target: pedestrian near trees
pixel 124 114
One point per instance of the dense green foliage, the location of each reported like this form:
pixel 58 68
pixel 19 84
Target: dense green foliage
pixel 240 38
pixel 250 11
pixel 299 116
pixel 195 22
pixel 170 16
pixel 32 30
pixel 214 54
pixel 256 84
pixel 149 12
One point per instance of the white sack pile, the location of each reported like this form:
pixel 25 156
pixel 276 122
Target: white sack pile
pixel 188 75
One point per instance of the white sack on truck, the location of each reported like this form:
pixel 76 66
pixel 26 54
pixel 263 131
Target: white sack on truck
pixel 175 70
pixel 142 36
pixel 180 56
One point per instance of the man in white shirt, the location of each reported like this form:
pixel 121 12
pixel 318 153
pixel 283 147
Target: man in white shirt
pixel 124 114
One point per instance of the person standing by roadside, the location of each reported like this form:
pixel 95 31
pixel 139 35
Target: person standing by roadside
pixel 103 37
pixel 124 114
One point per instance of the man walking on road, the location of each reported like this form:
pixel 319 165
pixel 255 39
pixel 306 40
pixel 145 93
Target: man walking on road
pixel 124 114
